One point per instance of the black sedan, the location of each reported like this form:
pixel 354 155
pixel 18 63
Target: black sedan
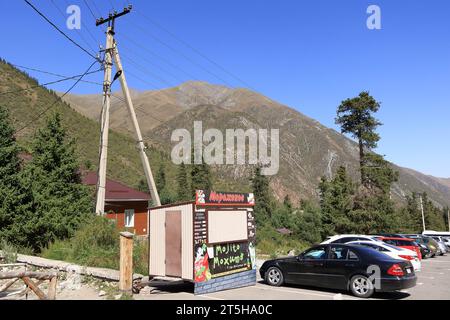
pixel 361 270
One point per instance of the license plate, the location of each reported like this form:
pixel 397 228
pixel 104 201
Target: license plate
pixel 408 270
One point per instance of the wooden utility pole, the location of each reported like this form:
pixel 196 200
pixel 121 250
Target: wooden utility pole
pixel 423 215
pixel 126 262
pixel 112 53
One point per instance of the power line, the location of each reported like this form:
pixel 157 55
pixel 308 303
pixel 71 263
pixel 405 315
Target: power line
pixel 95 7
pixel 85 27
pixel 52 82
pixel 53 74
pixel 79 33
pixel 58 99
pixel 181 54
pixel 141 57
pixel 60 31
pixel 166 61
pixel 143 69
pixel 90 10
pixel 195 50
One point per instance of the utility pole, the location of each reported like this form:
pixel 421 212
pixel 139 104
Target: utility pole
pixel 112 54
pixel 423 215
pixel 448 218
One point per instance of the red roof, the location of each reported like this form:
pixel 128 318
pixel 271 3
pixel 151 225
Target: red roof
pixel 116 191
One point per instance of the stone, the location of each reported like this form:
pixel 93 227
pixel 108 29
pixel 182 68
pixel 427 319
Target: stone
pixel 102 293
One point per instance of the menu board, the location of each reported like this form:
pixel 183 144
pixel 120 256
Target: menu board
pixel 200 228
pixel 229 257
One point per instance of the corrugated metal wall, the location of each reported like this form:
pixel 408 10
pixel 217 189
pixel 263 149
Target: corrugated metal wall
pixel 158 238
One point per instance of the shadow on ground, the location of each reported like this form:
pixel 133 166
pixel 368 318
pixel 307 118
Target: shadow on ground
pixel 378 295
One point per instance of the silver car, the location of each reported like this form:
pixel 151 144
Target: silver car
pixel 442 245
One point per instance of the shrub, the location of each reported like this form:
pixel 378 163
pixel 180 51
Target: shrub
pixel 97 244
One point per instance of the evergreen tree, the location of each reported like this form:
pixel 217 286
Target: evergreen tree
pixel 379 174
pixel 160 180
pixel 183 188
pixel 10 191
pixel 355 117
pixel 59 202
pixel 434 220
pixel 263 200
pixel 287 202
pixel 336 203
pixel 200 177
pixel 143 186
pixel 308 223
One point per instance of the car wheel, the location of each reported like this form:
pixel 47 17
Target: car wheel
pixel 361 286
pixel 274 277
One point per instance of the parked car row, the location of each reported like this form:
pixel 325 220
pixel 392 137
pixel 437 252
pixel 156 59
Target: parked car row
pixel 361 264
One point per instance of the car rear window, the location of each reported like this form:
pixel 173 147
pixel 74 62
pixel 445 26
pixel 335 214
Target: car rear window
pixel 399 242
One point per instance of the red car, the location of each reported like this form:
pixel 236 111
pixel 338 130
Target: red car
pixel 405 243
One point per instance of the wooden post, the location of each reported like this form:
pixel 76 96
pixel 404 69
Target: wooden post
pixel 126 262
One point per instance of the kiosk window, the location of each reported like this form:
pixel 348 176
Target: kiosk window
pixel 227 226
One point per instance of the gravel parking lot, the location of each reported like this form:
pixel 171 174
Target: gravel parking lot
pixel 433 283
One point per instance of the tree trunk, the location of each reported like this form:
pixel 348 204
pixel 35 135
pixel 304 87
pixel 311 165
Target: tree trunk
pixel 361 162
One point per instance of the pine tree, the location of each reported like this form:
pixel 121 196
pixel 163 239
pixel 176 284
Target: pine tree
pixel 263 200
pixel 355 117
pixel 336 203
pixel 10 191
pixel 183 188
pixel 200 177
pixel 160 178
pixel 59 202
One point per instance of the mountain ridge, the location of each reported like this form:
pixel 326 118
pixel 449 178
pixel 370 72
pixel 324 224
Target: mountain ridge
pixel 308 149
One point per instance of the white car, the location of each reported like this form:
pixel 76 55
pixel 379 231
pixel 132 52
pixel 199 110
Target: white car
pixel 393 252
pixel 346 238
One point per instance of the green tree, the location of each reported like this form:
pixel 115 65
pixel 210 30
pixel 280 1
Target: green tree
pixel 183 188
pixel 263 200
pixel 336 203
pixel 200 177
pixel 59 202
pixel 160 180
pixel 307 224
pixel 11 197
pixel 355 116
pixel 379 174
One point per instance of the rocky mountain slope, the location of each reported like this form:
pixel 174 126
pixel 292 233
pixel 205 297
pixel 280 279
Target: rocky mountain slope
pixel 308 150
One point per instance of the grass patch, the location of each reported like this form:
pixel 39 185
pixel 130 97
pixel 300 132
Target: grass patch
pixel 272 243
pixel 96 244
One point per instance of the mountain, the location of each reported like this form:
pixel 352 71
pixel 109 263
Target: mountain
pixel 308 150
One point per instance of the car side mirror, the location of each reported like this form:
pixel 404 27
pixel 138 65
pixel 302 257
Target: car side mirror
pixel 300 257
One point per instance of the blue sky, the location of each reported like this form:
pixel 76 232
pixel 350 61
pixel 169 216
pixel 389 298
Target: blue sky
pixel 309 55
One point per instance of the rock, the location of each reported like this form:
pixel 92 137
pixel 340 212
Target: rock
pixel 291 253
pixel 102 293
pixel 118 296
pixel 146 290
pixel 72 282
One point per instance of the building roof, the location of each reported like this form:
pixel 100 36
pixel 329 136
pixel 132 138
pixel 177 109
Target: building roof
pixel 116 191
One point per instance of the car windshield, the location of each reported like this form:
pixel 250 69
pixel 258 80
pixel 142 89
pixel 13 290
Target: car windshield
pixel 316 253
